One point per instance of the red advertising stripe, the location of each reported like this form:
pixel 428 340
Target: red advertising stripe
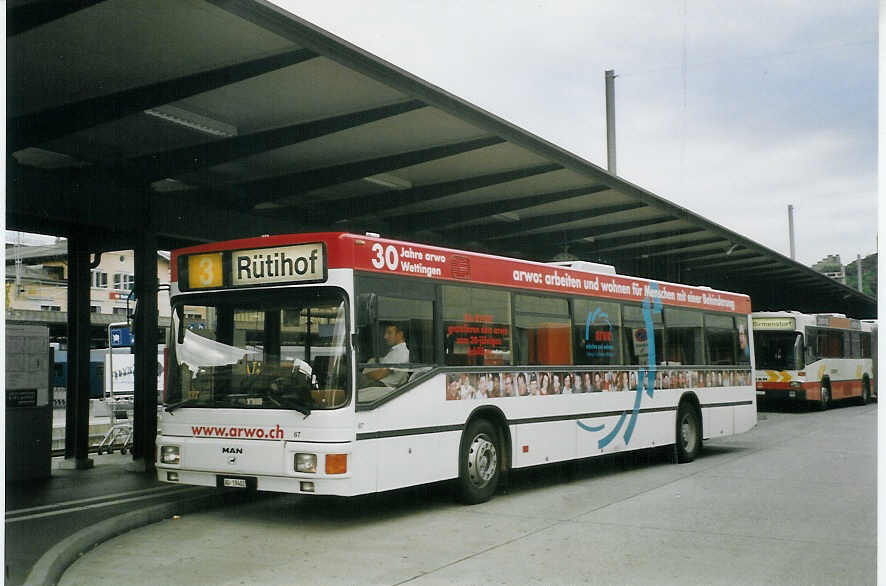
pixel 380 255
pixel 402 258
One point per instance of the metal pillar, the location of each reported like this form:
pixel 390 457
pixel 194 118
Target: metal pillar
pixel 858 266
pixel 609 77
pixel 791 231
pixel 77 400
pixel 145 424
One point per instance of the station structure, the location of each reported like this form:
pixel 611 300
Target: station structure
pixel 135 127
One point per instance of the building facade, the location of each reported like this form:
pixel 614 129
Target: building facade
pixel 37 288
pixel 831 266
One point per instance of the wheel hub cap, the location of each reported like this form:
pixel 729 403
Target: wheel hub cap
pixel 482 460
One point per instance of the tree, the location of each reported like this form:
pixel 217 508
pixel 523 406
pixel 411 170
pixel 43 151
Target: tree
pixel 868 274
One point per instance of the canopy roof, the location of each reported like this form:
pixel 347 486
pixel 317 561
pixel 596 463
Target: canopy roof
pixel 215 119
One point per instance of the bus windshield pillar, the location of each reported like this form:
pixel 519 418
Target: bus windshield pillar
pixel 272 338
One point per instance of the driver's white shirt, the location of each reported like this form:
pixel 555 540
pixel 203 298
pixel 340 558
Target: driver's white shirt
pixel 398 354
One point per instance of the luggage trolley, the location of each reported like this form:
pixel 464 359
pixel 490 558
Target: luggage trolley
pixel 121 427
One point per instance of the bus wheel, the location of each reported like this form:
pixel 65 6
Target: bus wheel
pixel 478 463
pixel 825 400
pixel 688 433
pixel 865 391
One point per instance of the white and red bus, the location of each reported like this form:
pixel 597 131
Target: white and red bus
pixel 343 364
pixel 813 357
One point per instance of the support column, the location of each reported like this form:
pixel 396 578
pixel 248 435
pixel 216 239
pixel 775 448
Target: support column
pixel 146 317
pixel 77 399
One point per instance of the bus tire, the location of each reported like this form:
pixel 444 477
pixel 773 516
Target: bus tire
pixel 825 401
pixel 479 465
pixel 865 391
pixel 688 432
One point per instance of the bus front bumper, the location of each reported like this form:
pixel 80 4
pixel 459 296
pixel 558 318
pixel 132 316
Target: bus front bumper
pixel 325 486
pixel 781 394
pixel 786 392
pixel 271 466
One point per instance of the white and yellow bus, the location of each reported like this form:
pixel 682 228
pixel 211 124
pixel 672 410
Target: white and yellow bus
pixel 813 357
pixel 343 364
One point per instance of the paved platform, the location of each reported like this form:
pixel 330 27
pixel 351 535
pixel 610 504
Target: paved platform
pixel 791 502
pixel 50 522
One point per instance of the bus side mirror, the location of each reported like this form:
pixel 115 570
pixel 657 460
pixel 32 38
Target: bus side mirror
pixel 367 309
pixel 180 333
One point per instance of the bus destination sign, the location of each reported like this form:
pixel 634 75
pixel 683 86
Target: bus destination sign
pixel 301 263
pixel 285 264
pixel 773 323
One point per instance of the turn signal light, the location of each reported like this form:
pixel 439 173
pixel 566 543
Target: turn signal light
pixel 336 463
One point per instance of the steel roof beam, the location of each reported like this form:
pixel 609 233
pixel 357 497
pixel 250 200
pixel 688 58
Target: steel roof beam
pixel 39 127
pixel 725 264
pixel 586 251
pixel 268 190
pixel 690 250
pixel 24 17
pixel 510 233
pixel 627 242
pixel 382 203
pixel 60 202
pixel 439 219
pixel 717 254
pixel 174 162
pixel 776 267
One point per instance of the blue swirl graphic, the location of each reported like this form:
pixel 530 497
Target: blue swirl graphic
pixel 646 376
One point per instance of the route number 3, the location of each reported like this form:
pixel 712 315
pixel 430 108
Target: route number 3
pixel 205 270
pixel 385 256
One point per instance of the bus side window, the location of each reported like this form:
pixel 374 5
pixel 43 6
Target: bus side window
pixel 415 317
pixel 798 352
pixel 865 344
pixel 721 337
pixel 811 345
pixel 597 332
pixel 542 330
pixel 683 335
pixel 855 344
pixel 636 337
pixel 476 326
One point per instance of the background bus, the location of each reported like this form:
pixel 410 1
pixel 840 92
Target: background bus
pixel 813 357
pixel 343 364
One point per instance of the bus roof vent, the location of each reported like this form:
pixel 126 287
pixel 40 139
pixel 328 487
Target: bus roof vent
pixel 584 265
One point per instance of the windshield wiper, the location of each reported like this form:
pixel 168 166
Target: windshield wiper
pixel 293 403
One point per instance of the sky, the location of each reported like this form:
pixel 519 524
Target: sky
pixel 733 110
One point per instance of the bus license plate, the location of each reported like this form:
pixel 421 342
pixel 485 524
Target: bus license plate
pixel 234 482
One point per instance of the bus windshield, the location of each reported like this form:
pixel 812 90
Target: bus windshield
pixel 260 350
pixel 778 350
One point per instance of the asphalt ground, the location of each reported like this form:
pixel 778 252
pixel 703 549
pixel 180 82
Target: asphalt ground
pixel 791 502
pixel 39 515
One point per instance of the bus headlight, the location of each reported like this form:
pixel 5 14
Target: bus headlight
pixel 306 463
pixel 170 455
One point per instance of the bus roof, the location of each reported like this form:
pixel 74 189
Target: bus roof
pixel 799 321
pixel 371 253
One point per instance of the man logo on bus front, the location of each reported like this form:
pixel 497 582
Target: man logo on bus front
pixel 644 379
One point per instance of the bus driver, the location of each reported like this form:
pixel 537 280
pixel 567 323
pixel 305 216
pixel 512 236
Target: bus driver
pixel 398 354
